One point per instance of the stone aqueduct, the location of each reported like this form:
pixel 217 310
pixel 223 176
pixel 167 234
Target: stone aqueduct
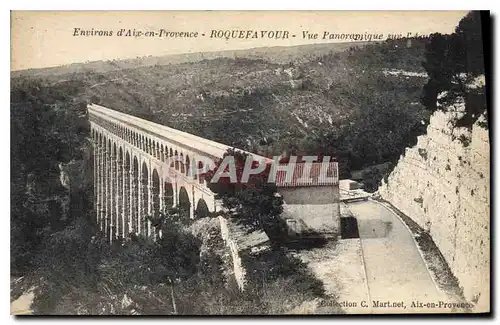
pixel 134 175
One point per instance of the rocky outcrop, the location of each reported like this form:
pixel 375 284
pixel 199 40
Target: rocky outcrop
pixel 443 184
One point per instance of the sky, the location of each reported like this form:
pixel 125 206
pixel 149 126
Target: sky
pixel 46 38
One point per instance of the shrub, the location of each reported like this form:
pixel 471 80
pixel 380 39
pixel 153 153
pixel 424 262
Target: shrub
pixel 465 140
pixel 422 153
pixel 419 200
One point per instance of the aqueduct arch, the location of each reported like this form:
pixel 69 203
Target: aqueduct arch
pixel 132 173
pixel 202 209
pixel 184 200
pixel 168 194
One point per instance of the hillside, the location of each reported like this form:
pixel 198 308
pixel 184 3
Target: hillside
pixel 361 104
pixel 275 54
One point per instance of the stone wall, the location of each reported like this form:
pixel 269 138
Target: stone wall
pixel 230 241
pixel 312 210
pixel 240 242
pixel 310 195
pixel 443 184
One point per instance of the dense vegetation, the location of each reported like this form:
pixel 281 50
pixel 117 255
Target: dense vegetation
pixel 253 202
pixel 48 131
pixel 185 272
pixel 341 104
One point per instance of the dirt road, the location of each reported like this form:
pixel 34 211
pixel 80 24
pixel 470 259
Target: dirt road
pixel 397 277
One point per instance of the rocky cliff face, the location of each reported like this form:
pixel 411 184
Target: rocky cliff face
pixel 443 184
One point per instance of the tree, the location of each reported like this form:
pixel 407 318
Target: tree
pixel 452 63
pixel 255 203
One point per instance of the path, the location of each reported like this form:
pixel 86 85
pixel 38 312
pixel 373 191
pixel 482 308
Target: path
pixel 22 305
pixel 395 270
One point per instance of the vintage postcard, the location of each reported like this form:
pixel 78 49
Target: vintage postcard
pixel 249 163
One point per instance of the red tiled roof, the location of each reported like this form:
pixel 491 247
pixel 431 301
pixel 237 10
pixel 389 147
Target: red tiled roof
pixel 317 176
